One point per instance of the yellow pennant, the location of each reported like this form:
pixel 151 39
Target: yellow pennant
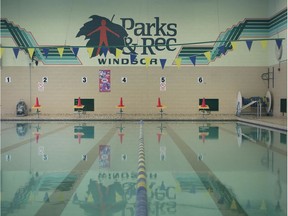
pixel 147 60
pixel 234 45
pixel 1 52
pixel 178 62
pixel 118 53
pixel 60 51
pixel 264 43
pixel 31 52
pixel 90 51
pixel 208 55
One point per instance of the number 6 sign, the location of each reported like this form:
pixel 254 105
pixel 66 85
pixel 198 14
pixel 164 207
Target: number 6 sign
pixel 200 80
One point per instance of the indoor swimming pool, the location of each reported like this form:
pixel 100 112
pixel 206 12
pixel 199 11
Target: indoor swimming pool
pixel 191 168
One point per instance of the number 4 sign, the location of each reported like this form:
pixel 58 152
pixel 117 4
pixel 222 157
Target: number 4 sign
pixel 124 79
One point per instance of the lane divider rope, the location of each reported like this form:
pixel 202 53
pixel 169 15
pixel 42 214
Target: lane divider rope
pixel 141 190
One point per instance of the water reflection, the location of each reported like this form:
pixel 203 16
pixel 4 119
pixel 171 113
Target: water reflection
pixel 90 168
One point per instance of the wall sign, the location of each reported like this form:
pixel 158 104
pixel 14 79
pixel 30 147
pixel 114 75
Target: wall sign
pixel 8 79
pixel 162 83
pixel 45 79
pixel 104 81
pixel 200 80
pixel 84 79
pixel 40 86
pixel 124 79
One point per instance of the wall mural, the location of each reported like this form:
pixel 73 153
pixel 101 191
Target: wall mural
pixel 104 36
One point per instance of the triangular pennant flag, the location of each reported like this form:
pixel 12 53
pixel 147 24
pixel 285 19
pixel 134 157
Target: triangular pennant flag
pixel 60 51
pixel 163 62
pixel 46 50
pixel 249 44
pixel 132 57
pixel 193 59
pixel 90 51
pixel 16 51
pixel 222 49
pixel 105 50
pixel 279 43
pixel 208 55
pixel 118 53
pixel 1 52
pixel 178 62
pixel 75 50
pixel 234 45
pixel 31 52
pixel 147 61
pixel 264 43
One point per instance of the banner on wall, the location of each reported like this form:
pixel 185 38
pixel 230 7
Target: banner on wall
pixel 104 81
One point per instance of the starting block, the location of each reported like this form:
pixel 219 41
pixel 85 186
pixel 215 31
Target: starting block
pixel 37 106
pixel 160 107
pixel 79 107
pixel 204 108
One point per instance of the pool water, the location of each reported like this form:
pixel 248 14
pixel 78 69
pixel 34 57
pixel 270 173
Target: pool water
pixel 192 168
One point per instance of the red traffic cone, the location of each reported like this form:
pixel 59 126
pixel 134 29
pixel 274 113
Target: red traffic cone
pixel 79 102
pixel 121 103
pixel 37 103
pixel 159 103
pixel 203 103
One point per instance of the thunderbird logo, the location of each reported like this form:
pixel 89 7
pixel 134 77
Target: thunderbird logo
pixel 103 34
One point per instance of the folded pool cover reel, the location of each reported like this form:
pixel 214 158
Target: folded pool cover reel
pixel 21 108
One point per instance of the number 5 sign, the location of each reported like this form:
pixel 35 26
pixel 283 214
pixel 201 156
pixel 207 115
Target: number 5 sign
pixel 162 83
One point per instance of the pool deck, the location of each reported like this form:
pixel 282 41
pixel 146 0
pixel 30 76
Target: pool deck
pixel 266 121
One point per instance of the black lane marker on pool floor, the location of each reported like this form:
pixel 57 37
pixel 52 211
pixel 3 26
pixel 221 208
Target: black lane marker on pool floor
pixel 54 206
pixel 200 168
